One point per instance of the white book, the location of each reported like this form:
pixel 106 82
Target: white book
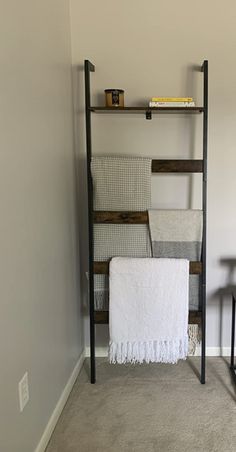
pixel 172 104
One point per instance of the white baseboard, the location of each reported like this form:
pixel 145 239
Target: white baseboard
pixel 214 351
pixel 60 405
pixel 102 352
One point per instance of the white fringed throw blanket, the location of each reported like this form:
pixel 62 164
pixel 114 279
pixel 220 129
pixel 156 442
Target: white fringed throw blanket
pixel 148 310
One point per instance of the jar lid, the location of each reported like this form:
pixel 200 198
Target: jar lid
pixel 110 90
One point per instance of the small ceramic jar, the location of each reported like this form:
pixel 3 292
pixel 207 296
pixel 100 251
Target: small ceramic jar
pixel 114 97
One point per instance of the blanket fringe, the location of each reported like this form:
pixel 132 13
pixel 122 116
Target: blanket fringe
pixel 148 352
pixel 193 338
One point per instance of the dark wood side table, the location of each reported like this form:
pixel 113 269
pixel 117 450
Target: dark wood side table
pixel 232 363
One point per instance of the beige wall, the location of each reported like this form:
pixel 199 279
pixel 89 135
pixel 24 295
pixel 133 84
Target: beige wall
pixel 149 48
pixel 40 319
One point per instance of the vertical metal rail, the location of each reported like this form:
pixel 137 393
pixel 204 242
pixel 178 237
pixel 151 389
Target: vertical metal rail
pixel 89 67
pixel 204 207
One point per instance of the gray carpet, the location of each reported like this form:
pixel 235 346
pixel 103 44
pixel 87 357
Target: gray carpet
pixel 154 408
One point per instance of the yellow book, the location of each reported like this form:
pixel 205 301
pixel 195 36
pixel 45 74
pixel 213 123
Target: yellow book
pixel 172 99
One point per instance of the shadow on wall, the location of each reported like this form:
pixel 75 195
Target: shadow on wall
pixel 81 172
pixel 230 264
pixel 192 76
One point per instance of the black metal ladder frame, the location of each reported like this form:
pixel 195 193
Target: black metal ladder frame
pixel 89 67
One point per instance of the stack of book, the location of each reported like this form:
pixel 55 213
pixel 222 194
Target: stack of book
pixel 172 102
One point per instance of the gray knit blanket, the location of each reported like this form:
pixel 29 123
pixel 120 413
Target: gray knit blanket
pixel 178 234
pixel 119 184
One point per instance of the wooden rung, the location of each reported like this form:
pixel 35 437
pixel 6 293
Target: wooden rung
pixel 102 268
pixel 120 217
pixel 177 166
pixel 102 317
pixel 195 268
pixel 110 217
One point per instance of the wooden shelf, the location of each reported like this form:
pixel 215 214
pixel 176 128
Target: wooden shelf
pixel 102 317
pixel 102 268
pixel 143 109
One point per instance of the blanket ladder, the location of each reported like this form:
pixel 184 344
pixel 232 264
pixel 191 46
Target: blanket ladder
pixel 158 166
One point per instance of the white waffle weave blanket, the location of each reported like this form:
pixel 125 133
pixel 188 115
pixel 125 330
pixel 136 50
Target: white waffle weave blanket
pixel 148 310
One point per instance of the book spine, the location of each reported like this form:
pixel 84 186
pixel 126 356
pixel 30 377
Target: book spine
pixel 171 104
pixel 172 99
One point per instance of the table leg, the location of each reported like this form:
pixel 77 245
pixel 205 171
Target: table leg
pixel 232 332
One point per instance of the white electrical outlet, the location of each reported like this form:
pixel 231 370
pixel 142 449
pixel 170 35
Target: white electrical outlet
pixel 23 391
